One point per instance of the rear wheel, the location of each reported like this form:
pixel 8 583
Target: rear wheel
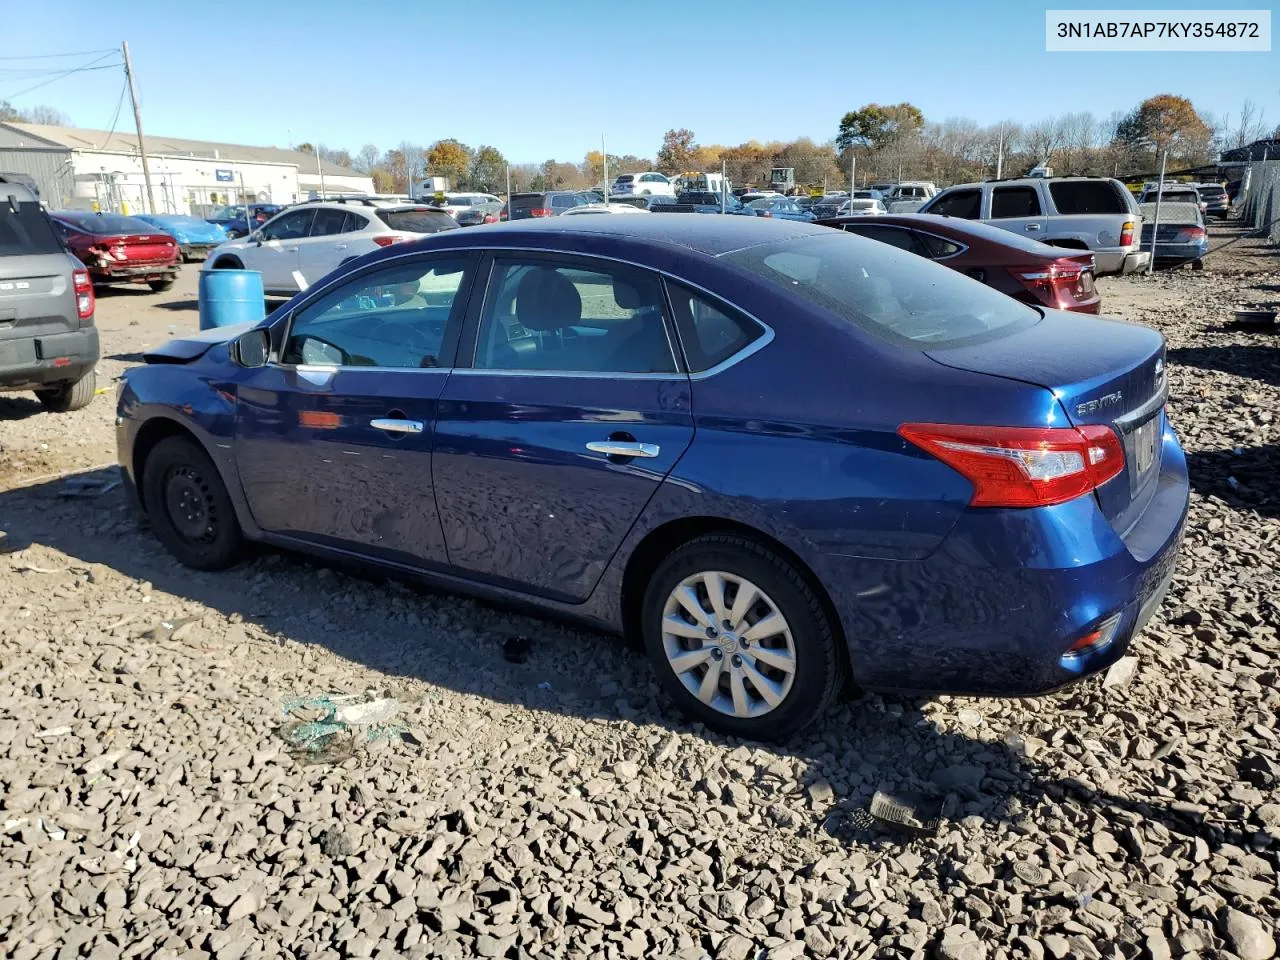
pixel 70 396
pixel 1197 264
pixel 188 505
pixel 160 286
pixel 739 639
pixel 228 263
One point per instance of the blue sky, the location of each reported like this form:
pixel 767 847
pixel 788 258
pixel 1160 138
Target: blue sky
pixel 542 80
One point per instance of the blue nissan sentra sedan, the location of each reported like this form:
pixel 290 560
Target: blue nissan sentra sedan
pixel 782 455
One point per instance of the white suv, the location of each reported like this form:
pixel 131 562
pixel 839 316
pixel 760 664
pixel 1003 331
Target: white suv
pixel 642 184
pixel 298 246
pixel 455 203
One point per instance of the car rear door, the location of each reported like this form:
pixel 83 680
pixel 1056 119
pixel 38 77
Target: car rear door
pixel 333 438
pixel 1017 208
pixel 566 412
pixel 37 296
pixel 324 247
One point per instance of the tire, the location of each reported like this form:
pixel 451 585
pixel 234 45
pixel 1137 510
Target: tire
pixel 160 286
pixel 178 475
pixel 1197 264
pixel 70 396
pixel 817 666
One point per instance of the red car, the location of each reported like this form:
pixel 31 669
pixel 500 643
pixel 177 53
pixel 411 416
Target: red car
pixel 1023 268
pixel 120 249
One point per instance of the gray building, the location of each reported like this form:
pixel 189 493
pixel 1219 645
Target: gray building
pixel 94 169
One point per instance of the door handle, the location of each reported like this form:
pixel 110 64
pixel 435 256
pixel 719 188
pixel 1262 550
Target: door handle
pixel 1033 226
pixel 340 246
pixel 396 426
pixel 623 448
pixel 290 249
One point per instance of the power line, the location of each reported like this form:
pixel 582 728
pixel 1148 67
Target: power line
pixel 115 116
pixel 66 73
pixel 51 56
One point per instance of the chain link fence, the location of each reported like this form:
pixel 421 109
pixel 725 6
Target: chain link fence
pixel 1261 203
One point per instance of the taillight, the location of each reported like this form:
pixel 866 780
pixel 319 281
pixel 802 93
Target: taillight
pixel 388 240
pixel 1191 233
pixel 541 212
pixel 1126 234
pixel 490 218
pixel 765 213
pixel 1048 280
pixel 83 288
pixel 1023 466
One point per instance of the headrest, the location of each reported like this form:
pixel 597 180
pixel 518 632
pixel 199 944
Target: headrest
pixel 626 295
pixel 545 300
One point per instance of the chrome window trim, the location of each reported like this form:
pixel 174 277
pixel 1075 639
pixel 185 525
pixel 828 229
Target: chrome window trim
pixel 756 345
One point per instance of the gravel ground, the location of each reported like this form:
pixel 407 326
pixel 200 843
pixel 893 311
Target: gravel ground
pixel 154 803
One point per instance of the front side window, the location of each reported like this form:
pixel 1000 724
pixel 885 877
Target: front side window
pixel 1007 202
pixel 393 317
pixel 289 226
pixel 548 316
pixel 958 203
pixel 887 292
pixel 564 200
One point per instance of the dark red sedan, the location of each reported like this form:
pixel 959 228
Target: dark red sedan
pixel 119 249
pixel 1025 269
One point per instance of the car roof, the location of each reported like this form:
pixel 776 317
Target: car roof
pixel 710 235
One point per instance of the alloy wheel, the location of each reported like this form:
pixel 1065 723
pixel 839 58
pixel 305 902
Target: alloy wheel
pixel 729 644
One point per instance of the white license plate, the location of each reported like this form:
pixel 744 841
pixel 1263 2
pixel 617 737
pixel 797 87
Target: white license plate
pixel 1144 445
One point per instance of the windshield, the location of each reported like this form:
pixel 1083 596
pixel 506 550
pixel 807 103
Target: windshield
pixel 227 213
pixel 891 293
pixel 462 201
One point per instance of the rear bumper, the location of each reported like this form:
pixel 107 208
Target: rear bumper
pixel 993 610
pixel 133 274
pixel 1123 260
pixel 197 251
pixel 36 362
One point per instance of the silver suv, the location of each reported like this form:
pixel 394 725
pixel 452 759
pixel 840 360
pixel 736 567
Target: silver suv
pixel 1080 213
pixel 48 343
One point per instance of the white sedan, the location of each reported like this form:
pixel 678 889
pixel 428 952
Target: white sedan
pixel 603 208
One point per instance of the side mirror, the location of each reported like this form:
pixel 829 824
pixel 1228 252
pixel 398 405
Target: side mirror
pixel 252 349
pixel 256 236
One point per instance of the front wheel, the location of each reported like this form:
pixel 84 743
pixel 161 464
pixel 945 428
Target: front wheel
pixel 188 505
pixel 739 639
pixel 160 286
pixel 70 396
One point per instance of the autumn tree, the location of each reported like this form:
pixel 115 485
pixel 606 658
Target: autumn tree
pixel 305 148
pixel 557 175
pixel 449 159
pixel 677 151
pixel 384 181
pixel 877 126
pixel 393 164
pixel 1168 124
pixel 488 170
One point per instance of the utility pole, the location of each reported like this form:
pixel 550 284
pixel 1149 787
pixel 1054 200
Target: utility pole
pixel 320 170
pixel 1000 153
pixel 604 152
pixel 724 185
pixel 137 123
pixel 1155 227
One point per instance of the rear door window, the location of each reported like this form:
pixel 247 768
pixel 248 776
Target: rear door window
pixel 328 222
pixel 886 292
pixel 966 204
pixel 1007 202
pixel 1088 196
pixel 894 236
pixel 26 231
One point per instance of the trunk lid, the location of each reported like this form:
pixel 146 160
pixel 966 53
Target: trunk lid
pixel 143 248
pixel 1102 372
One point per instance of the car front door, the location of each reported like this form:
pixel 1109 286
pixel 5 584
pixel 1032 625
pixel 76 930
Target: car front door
pixel 571 413
pixel 333 438
pixel 275 252
pixel 1017 209
pixel 325 247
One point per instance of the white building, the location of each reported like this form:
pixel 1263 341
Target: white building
pixel 87 169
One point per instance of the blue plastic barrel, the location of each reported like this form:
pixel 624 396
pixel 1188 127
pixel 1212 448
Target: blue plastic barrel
pixel 230 296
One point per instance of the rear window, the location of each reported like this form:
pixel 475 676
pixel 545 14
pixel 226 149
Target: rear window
pixel 888 292
pixel 625 178
pixel 461 201
pixel 417 221
pixel 1088 196
pixel 26 232
pixel 105 223
pixel 526 201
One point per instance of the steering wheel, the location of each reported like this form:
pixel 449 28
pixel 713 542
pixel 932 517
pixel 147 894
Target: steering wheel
pixel 394 333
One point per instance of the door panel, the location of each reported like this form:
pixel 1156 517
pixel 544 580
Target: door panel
pixel 277 256
pixel 522 500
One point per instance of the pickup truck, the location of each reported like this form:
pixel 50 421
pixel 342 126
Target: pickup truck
pixel 705 202
pixel 909 196
pixel 1079 213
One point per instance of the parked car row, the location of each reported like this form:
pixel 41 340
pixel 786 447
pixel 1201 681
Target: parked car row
pixel 663 408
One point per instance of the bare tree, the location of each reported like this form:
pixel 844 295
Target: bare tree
pixel 367 158
pixel 1251 127
pixel 48 115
